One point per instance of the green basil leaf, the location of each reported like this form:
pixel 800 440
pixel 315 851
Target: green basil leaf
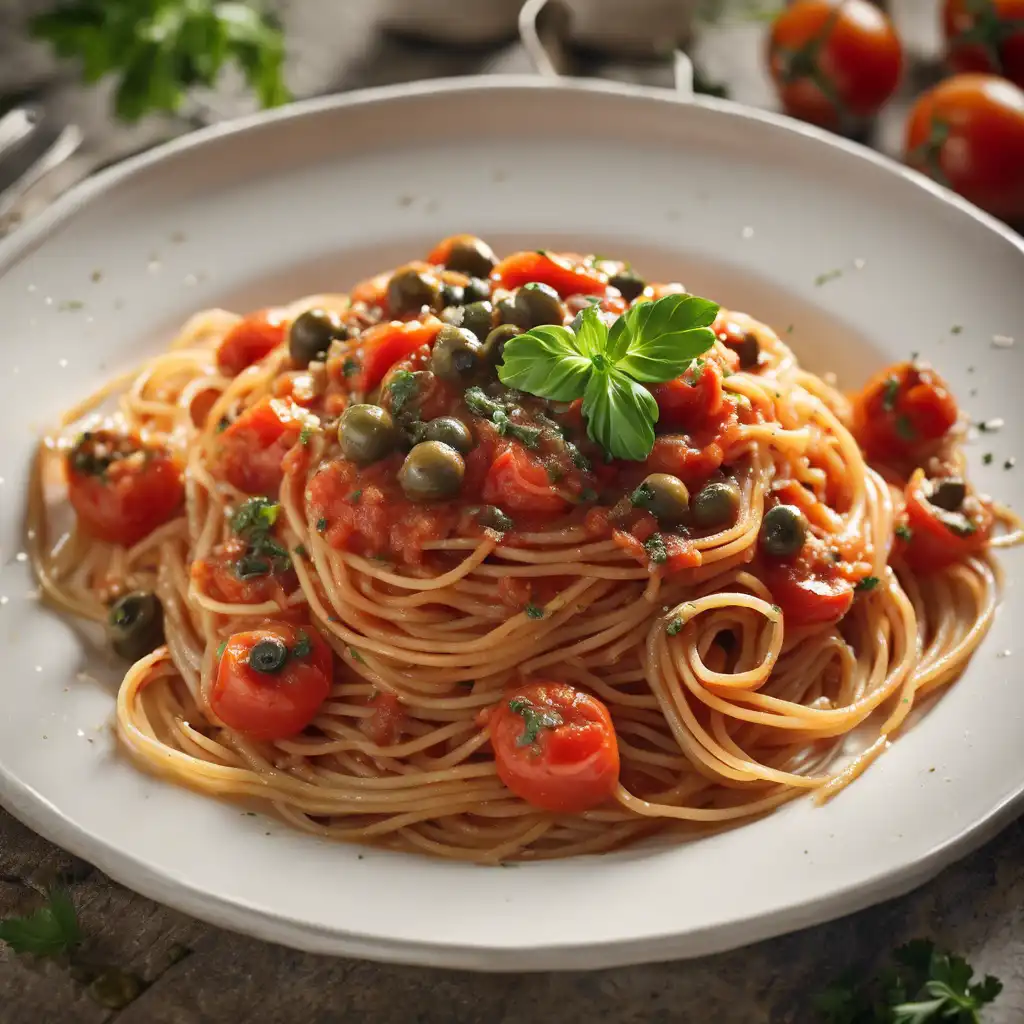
pixel 620 415
pixel 592 337
pixel 545 362
pixel 663 337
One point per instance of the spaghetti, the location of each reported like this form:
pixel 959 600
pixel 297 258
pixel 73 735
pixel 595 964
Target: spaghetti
pixel 369 585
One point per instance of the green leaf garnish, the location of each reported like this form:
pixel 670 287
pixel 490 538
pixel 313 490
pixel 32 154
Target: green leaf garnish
pixel 158 51
pixel 868 583
pixel 253 521
pixel 655 548
pixel 402 389
pixel 535 720
pixel 650 343
pixel 303 648
pixel 534 611
pixel 49 931
pixel 904 532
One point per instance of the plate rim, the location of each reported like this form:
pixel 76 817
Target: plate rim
pixel 163 885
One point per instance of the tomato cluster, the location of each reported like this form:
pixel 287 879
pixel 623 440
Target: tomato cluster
pixel 836 63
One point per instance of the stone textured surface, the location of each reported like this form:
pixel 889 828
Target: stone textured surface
pixel 200 975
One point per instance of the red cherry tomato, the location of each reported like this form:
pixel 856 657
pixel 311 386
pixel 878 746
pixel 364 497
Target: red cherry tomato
pixel 968 134
pixel 120 488
pixel 518 482
pixel 808 594
pixel 834 59
pixel 902 412
pixel 565 277
pixel 939 538
pixel 986 35
pixel 250 340
pixel 687 402
pixel 251 450
pixel 386 344
pixel 555 747
pixel 255 695
pixel 384 726
pixel 218 576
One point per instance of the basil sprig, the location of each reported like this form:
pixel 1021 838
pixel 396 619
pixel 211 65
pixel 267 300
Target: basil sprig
pixel 651 343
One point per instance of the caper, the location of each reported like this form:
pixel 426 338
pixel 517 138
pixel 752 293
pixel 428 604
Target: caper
pixel 630 285
pixel 948 494
pixel 431 471
pixel 783 531
pixel 534 304
pixel 478 317
pixel 476 290
pixel 450 431
pixel 715 505
pixel 135 624
pixel 366 433
pixel 453 294
pixel 665 496
pixel 268 655
pixel 493 351
pixel 409 291
pixel 311 334
pixel 472 256
pixel 455 355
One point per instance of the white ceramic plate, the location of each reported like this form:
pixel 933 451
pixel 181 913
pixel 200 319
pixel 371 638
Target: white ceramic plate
pixel 739 205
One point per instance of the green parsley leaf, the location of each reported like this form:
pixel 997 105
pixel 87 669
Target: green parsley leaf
pixel 905 429
pixel 535 720
pixel 321 524
pixel 355 496
pixel 674 627
pixel 49 931
pixel 356 656
pixel 655 548
pixel 402 389
pixel 642 496
pixel 650 343
pixel 159 51
pixel 534 611
pixel 221 648
pixel 300 550
pixel 527 435
pixel 868 583
pixel 479 404
pixel 904 532
pixel 305 434
pixel 350 367
pixel 620 415
pixel 255 515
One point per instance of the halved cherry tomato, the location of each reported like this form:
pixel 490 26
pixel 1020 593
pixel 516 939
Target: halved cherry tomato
pixel 902 412
pixel 386 344
pixel 968 134
pixel 687 402
pixel 808 594
pixel 939 538
pixel 219 576
pixel 384 726
pixel 252 448
pixel 373 291
pixel 833 59
pixel 565 277
pixel 518 482
pixel 250 340
pixel 986 35
pixel 120 488
pixel 555 747
pixel 281 701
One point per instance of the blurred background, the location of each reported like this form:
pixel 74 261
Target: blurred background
pixel 130 73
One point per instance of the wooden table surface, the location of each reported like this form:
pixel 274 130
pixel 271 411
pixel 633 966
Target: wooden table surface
pixel 197 974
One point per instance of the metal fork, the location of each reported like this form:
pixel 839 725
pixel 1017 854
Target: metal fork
pixel 32 145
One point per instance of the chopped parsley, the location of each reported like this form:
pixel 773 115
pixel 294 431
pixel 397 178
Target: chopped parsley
pixel 253 522
pixel 303 648
pixel 356 656
pixel 642 496
pixel 987 458
pixel 534 611
pixel 300 550
pixel 868 583
pixel 655 548
pixel 529 436
pixel 222 424
pixel 905 429
pixel 829 275
pixel 674 626
pixel 355 496
pixel 305 434
pixel 492 518
pixel 904 532
pixel 402 390
pixel 1010 462
pixel 955 329
pixel 321 524
pixel 890 391
pixel 350 367
pixel 221 648
pixel 534 719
